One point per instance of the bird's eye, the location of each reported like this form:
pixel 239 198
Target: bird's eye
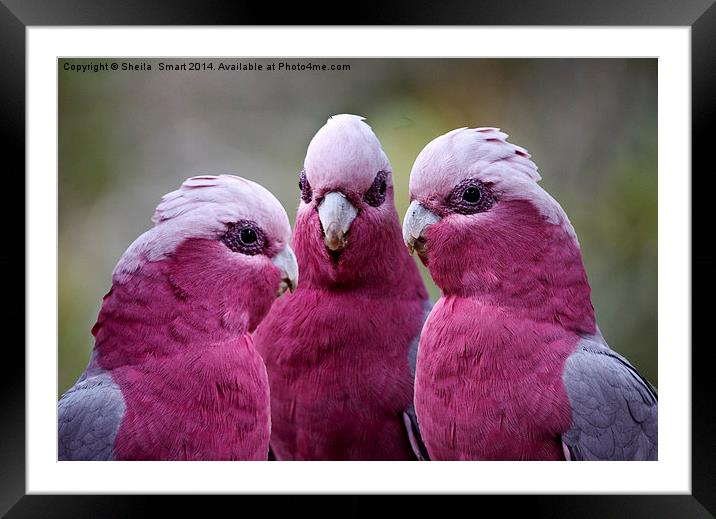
pixel 248 236
pixel 305 187
pixel 245 237
pixel 469 197
pixel 375 195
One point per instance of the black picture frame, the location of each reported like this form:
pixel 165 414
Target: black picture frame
pixel 17 15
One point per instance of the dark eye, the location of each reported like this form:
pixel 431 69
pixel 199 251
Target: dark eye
pixel 245 237
pixel 305 187
pixel 248 236
pixel 375 195
pixel 469 197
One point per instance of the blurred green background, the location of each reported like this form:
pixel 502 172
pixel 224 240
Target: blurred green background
pixel 128 137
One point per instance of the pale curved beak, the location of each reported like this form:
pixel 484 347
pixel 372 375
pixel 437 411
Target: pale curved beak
pixel 285 260
pixel 417 220
pixel 336 214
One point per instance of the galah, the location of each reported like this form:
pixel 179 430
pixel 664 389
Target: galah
pixel 174 374
pixel 338 350
pixel 511 363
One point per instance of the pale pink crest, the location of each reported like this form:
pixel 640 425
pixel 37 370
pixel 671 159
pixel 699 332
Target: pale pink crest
pixel 484 154
pixel 201 208
pixel 344 154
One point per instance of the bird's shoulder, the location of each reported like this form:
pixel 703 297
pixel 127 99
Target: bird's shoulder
pixel 89 415
pixel 413 350
pixel 614 408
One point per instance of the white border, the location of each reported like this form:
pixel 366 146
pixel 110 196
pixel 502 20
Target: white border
pixel 671 474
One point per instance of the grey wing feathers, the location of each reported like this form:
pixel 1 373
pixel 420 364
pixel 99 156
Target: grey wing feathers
pixel 410 420
pixel 409 417
pixel 89 415
pixel 413 352
pixel 614 409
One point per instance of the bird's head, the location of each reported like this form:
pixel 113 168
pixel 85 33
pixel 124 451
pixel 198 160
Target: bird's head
pixel 346 190
pixel 478 218
pixel 224 243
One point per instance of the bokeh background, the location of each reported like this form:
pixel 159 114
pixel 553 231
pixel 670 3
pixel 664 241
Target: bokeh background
pixel 128 137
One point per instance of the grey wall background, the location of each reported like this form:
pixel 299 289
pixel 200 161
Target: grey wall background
pixel 128 137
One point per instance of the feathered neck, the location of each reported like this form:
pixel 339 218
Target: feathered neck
pixel 186 301
pixel 374 260
pixel 517 260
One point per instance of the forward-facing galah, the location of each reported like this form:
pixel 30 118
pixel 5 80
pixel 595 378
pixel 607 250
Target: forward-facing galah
pixel 511 364
pixel 174 374
pixel 338 350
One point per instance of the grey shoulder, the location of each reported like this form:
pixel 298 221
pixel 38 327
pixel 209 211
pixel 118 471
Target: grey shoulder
pixel 88 418
pixel 614 408
pixel 410 422
pixel 410 419
pixel 413 351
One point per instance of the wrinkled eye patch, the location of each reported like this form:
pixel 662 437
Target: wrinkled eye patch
pixel 375 195
pixel 469 197
pixel 305 187
pixel 245 237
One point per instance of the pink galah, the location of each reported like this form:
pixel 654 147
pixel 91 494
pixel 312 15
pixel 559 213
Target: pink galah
pixel 511 364
pixel 174 374
pixel 338 349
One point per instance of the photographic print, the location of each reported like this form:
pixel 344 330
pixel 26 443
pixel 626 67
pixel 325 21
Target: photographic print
pixel 357 259
pixel 471 244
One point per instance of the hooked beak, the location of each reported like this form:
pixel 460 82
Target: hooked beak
pixel 336 214
pixel 416 221
pixel 285 260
